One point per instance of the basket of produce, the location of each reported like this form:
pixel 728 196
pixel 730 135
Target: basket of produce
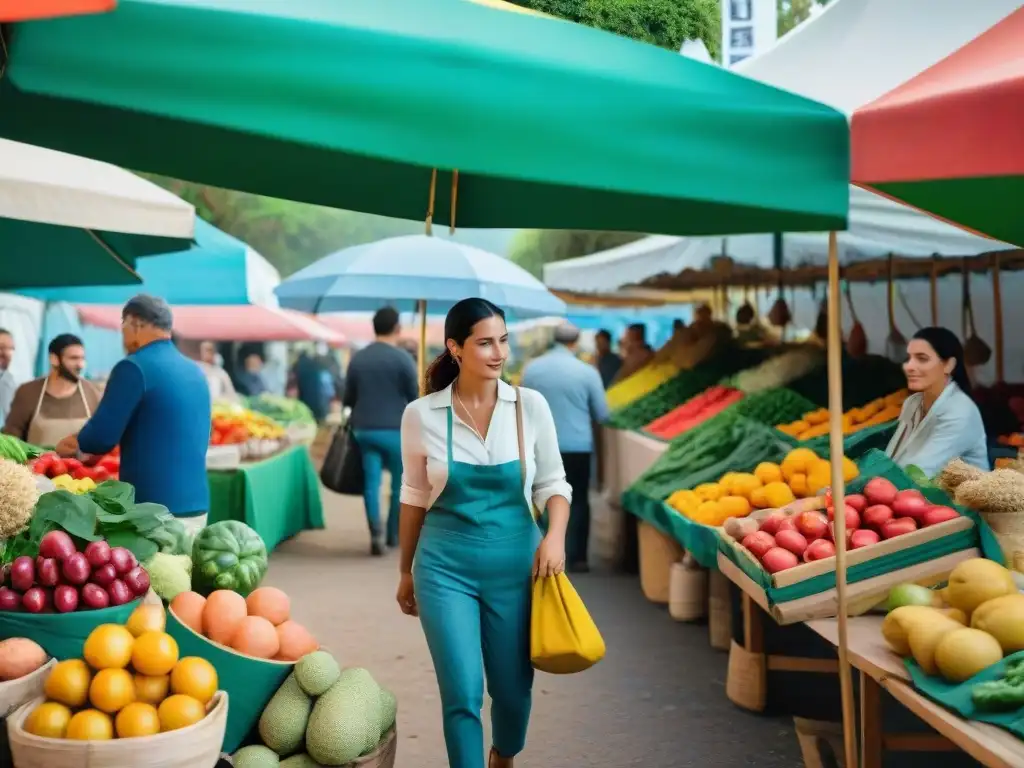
pixel 251 642
pixel 998 497
pixel 128 699
pixel 325 715
pixel 23 669
pixel 787 555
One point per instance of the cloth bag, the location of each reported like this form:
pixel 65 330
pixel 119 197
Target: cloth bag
pixel 342 471
pixel 563 637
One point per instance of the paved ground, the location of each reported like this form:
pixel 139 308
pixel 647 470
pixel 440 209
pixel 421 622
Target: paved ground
pixel 657 700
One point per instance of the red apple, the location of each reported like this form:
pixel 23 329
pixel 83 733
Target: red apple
pixel 852 517
pixel 880 491
pixel 898 527
pixel 794 541
pixel 857 501
pixel 877 515
pixel 778 559
pixel 758 543
pixel 819 549
pixel 812 525
pixel 863 538
pixel 770 524
pixel 937 515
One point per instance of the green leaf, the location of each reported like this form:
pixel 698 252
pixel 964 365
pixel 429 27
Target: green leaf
pixel 75 513
pixel 141 547
pixel 114 493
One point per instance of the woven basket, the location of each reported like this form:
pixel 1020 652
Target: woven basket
pixel 197 746
pixel 382 757
pixel 657 554
pixel 1009 530
pixel 719 611
pixel 687 592
pixel 14 693
pixel 746 682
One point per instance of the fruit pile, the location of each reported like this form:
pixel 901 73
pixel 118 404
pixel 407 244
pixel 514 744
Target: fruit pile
pixel 770 486
pixel 815 423
pixel 259 625
pixel 75 476
pixel 234 425
pixel 321 715
pixel 128 683
pixel 958 631
pixel 62 579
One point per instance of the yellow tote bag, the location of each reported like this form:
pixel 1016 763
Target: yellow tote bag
pixel 563 637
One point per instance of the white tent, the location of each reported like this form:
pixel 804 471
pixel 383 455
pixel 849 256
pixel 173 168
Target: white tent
pixel 50 187
pixel 847 55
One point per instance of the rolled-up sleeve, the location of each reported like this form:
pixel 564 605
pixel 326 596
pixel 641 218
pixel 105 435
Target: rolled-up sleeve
pixel 415 483
pixel 549 478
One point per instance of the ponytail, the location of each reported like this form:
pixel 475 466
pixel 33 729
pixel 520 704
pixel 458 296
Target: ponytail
pixel 441 373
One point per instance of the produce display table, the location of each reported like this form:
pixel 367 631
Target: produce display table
pixel 278 497
pixel 627 455
pixel 880 669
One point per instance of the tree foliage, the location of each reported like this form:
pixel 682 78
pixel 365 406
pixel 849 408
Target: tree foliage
pixel 792 13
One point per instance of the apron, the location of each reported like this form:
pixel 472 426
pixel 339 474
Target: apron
pixel 48 432
pixel 472 575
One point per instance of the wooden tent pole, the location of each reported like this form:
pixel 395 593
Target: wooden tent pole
pixel 997 318
pixel 421 358
pixel 934 288
pixel 835 414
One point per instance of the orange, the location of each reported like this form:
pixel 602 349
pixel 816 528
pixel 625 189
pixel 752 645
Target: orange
pixel 109 646
pixel 49 720
pixel 151 690
pixel 112 690
pixel 137 719
pixel 68 683
pixel 90 725
pixel 195 677
pixel 154 653
pixel 146 618
pixel 180 711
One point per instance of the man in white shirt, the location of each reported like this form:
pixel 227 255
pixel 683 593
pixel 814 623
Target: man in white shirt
pixel 8 385
pixel 220 384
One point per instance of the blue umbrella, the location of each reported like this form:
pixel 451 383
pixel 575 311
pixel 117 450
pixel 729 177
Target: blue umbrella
pixel 218 270
pixel 415 272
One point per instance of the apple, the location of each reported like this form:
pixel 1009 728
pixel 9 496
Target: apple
pixel 770 524
pixel 813 525
pixel 758 543
pixel 794 541
pixel 937 515
pixel 865 537
pixel 898 527
pixel 880 491
pixel 852 517
pixel 778 559
pixel 877 515
pixel 819 549
pixel 857 501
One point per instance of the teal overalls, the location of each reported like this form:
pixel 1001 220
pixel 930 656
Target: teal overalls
pixel 473 579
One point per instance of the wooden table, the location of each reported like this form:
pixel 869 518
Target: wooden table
pixel 881 669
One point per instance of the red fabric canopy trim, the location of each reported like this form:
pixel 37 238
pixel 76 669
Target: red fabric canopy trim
pixel 226 323
pixel 361 330
pixel 961 118
pixel 26 10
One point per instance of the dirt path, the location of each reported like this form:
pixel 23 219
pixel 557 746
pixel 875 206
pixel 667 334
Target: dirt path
pixel 656 701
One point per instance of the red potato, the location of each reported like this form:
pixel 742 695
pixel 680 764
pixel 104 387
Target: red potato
pixel 898 527
pixel 23 573
pixel 778 559
pixel 770 524
pixel 819 549
pixel 10 600
pixel 104 575
pixel 34 600
pixel 75 569
pixel 119 593
pixel 880 491
pixel 94 596
pixel 56 544
pixel 122 560
pixel 812 525
pixel 65 599
pixel 877 515
pixel 793 541
pixel 47 571
pixel 98 553
pixel 857 501
pixel 865 537
pixel 758 543
pixel 937 515
pixel 851 517
pixel 910 504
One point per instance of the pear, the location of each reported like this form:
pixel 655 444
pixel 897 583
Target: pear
pixel 976 581
pixel 924 637
pixel 898 623
pixel 1003 618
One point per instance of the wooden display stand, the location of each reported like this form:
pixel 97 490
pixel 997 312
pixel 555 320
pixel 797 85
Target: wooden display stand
pixel 658 553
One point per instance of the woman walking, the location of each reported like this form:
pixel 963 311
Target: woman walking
pixel 479 457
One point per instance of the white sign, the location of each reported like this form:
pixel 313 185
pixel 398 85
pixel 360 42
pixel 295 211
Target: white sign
pixel 749 27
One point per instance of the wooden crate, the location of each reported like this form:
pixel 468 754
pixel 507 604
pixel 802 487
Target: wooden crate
pixel 657 555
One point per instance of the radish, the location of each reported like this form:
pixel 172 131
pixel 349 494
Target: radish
pixel 937 515
pixel 758 543
pixel 98 553
pixel 34 600
pixel 778 559
pixel 23 573
pixel 57 544
pixel 65 599
pixel 9 600
pixel 104 575
pixel 119 593
pixel 95 597
pixel 75 568
pixel 122 560
pixel 877 515
pixel 137 581
pixel 880 491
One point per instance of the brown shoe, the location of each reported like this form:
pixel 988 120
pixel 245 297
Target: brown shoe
pixel 497 761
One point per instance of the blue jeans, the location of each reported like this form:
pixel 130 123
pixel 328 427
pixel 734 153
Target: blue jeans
pixel 381 448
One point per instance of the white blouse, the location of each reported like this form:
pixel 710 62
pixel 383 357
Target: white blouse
pixel 425 447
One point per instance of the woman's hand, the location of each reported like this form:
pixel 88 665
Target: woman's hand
pixel 550 557
pixel 407 596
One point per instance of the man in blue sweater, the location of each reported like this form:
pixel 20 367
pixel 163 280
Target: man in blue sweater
pixel 156 406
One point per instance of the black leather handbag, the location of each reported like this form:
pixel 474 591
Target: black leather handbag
pixel 342 471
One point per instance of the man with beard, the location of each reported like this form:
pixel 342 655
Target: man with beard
pixel 157 408
pixel 45 410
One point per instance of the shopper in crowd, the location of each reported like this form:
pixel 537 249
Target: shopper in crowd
pixel 608 363
pixel 307 380
pixel 636 352
pixel 45 410
pixel 8 384
pixel 479 455
pixel 939 422
pixel 251 381
pixel 217 379
pixel 157 408
pixel 379 384
pixel 576 397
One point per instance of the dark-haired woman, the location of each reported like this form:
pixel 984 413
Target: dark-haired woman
pixel 479 457
pixel 939 421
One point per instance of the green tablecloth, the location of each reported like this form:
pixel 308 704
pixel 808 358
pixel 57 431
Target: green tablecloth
pixel 277 497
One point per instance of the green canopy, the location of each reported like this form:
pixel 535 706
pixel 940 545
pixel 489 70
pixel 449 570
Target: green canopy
pixel 354 104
